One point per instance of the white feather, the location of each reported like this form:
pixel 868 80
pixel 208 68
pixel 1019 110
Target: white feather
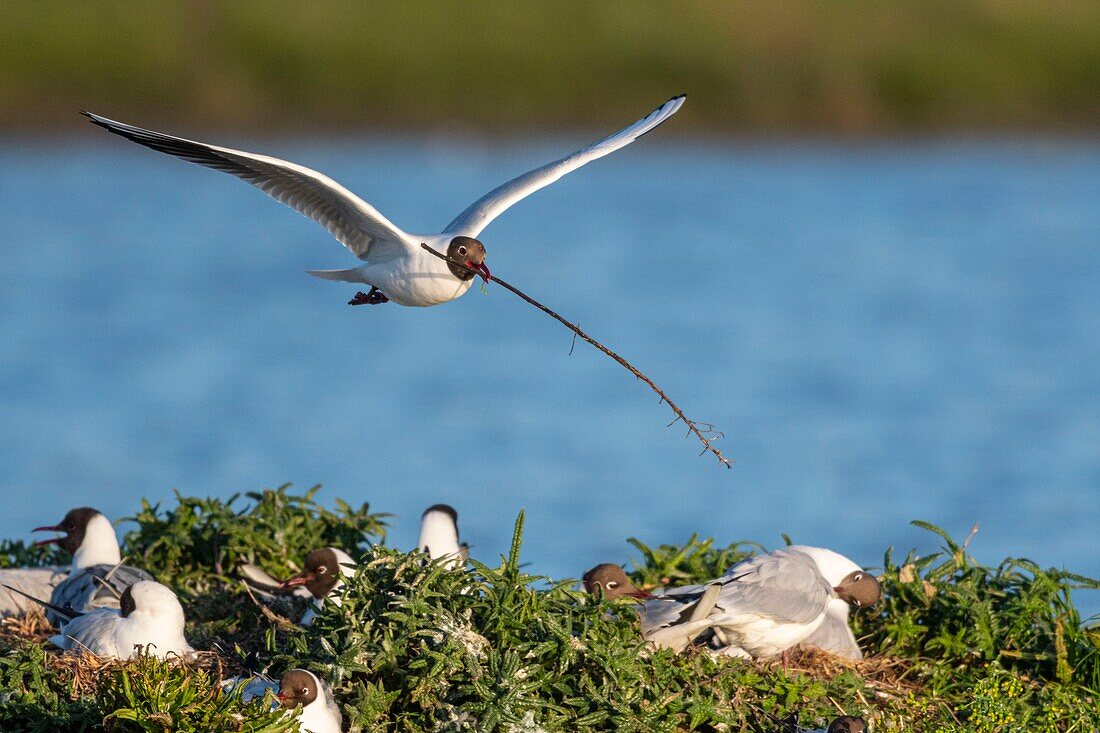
pixel 99 547
pixel 155 624
pixel 478 215
pixel 395 262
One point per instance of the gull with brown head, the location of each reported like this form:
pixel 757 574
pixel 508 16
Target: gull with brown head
pixel 395 265
pixel 667 622
pixel 319 713
pixel 149 620
pixel 97 577
pixel 323 576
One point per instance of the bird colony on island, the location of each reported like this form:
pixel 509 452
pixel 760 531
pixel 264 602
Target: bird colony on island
pixel 758 609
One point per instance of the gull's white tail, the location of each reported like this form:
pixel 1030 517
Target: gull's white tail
pixel 354 275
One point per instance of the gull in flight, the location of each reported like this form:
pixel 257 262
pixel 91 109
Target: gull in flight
pixel 394 264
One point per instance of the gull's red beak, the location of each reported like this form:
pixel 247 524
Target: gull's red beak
pixel 300 579
pixel 482 270
pixel 640 594
pixel 52 540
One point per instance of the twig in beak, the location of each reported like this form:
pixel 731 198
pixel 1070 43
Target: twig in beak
pixel 481 269
pixel 703 431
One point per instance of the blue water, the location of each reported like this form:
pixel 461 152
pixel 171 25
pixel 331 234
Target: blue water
pixel 883 332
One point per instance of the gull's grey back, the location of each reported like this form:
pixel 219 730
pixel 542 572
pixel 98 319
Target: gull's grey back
pixel 99 586
pixel 783 584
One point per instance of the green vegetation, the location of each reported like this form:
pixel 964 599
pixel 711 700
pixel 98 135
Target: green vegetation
pixel 840 67
pixel 201 541
pixel 415 645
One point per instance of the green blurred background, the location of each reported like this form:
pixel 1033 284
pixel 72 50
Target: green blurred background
pixel 834 68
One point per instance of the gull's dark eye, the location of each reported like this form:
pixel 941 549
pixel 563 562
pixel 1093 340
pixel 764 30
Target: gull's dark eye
pixel 462 250
pixel 305 690
pixel 858 578
pixel 322 570
pixel 612 584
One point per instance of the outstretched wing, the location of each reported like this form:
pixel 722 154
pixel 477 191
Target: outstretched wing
pixel 356 224
pixel 475 218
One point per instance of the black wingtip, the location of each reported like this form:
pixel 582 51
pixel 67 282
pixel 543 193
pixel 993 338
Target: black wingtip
pixel 666 119
pixel 69 613
pixel 95 120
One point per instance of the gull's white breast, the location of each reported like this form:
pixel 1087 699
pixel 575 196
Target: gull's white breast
pixel 418 279
pixel 763 636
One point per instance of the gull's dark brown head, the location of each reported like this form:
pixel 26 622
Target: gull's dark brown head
pixel 848 724
pixel 297 687
pixel 126 603
pixel 471 253
pixel 859 588
pixel 320 575
pixel 611 581
pixel 74 525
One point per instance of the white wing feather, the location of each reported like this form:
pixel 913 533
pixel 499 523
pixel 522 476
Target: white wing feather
pixel 356 224
pixel 834 635
pixel 93 632
pixel 478 215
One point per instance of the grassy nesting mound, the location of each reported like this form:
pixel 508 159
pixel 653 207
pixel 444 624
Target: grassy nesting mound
pixel 415 646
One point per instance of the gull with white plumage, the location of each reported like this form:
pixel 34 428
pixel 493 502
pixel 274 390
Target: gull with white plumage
pixel 773 601
pixel 97 577
pixel 395 265
pixel 149 620
pixel 760 608
pixel 439 535
pixel 298 690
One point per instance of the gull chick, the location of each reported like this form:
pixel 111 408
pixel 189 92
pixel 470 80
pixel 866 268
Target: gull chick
pixel 149 617
pixel 439 535
pixel 97 576
pixel 323 575
pixel 395 265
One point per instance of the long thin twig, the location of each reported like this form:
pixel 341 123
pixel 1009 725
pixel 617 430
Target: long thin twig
pixel 700 430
